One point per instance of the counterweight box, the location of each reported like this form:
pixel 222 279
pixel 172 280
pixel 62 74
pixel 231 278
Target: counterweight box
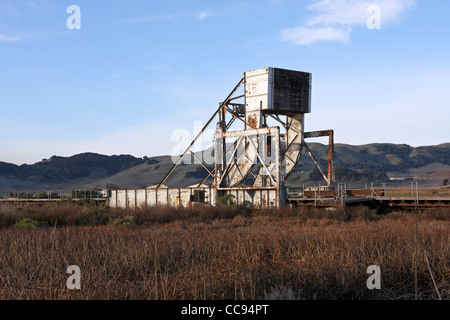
pixel 278 91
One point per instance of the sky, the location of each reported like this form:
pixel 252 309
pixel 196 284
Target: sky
pixel 121 76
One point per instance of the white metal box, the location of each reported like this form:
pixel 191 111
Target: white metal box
pixel 278 91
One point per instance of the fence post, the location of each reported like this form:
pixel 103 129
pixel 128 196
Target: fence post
pixel 315 196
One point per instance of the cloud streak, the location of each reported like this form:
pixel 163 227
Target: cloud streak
pixel 333 20
pixel 203 15
pixel 7 38
pixel 200 16
pixel 308 36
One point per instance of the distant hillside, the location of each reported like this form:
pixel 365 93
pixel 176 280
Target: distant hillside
pixel 365 163
pixel 57 170
pixel 377 162
pixel 382 157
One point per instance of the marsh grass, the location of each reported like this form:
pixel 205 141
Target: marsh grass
pixel 219 253
pixel 423 191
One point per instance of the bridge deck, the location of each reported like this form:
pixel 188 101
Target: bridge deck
pixel 400 202
pixel 320 202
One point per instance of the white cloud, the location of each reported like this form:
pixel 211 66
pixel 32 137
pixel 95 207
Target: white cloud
pixel 332 20
pixel 200 16
pixel 307 36
pixel 203 15
pixel 354 12
pixel 7 38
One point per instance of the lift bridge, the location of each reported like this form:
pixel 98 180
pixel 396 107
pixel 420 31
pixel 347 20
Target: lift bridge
pixel 252 159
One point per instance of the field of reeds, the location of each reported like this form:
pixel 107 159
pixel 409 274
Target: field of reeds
pixel 222 253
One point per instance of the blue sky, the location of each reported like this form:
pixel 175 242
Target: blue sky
pixel 138 70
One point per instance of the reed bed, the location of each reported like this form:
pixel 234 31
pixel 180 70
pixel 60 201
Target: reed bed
pixel 222 253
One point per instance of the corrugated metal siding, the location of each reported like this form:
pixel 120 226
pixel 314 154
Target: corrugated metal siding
pixel 183 197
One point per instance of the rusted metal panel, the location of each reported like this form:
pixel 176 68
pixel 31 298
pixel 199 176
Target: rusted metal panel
pixel 321 194
pixel 253 119
pixel 320 133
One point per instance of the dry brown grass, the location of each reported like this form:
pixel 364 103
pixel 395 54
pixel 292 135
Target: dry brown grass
pixel 443 191
pixel 288 254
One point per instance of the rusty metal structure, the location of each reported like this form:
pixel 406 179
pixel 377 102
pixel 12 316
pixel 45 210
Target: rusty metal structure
pixel 252 159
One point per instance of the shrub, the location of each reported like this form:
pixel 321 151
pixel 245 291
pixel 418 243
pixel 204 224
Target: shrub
pixel 28 223
pixel 227 200
pixel 245 209
pixel 127 221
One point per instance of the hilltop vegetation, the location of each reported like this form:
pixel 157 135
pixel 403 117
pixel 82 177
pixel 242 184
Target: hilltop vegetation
pixel 390 157
pixel 82 165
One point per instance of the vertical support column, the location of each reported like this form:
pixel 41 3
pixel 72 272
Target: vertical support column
pixel 331 176
pixel 294 142
pixel 146 200
pixel 279 169
pixel 218 168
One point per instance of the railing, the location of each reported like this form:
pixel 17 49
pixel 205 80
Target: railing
pixel 339 191
pixel 51 195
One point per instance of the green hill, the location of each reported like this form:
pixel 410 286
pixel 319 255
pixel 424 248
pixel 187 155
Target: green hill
pixel 377 163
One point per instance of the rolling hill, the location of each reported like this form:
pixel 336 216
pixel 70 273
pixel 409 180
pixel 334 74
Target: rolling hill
pixel 365 163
